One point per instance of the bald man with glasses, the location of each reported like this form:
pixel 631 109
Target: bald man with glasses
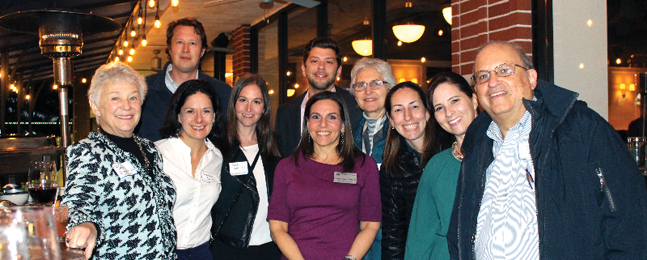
pixel 544 176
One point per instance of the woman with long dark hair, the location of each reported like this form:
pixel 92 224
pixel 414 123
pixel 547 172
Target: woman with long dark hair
pixel 326 190
pixel 191 150
pixel 409 145
pixel 240 228
pixel 455 107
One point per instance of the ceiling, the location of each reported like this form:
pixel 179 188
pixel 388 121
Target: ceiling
pixel 627 28
pixel 217 16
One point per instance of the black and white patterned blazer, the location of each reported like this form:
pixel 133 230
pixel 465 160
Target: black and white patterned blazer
pixel 133 213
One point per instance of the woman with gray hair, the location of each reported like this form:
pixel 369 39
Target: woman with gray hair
pixel 371 80
pixel 119 199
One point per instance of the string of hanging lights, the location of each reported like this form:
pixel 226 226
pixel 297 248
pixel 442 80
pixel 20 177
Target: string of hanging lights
pixel 129 37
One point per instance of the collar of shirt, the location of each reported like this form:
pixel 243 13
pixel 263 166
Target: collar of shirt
pixel 204 171
pixel 519 133
pixel 305 101
pixel 170 84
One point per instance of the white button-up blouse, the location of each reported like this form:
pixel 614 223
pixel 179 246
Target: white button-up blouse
pixel 195 195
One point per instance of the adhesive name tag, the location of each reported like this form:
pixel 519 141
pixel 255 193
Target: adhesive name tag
pixel 209 177
pixel 124 169
pixel 238 168
pixel 345 177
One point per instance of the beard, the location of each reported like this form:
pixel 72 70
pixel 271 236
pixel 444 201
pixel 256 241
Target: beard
pixel 318 86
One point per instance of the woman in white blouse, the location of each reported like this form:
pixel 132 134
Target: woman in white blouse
pixel 193 159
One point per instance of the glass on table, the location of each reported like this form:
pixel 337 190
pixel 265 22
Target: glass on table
pixel 42 181
pixel 28 232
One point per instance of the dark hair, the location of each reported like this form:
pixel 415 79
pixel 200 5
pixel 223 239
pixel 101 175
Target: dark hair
pixel 188 21
pixel 325 43
pixel 451 78
pixel 346 149
pixel 444 138
pixel 172 126
pixel 390 158
pixel 264 135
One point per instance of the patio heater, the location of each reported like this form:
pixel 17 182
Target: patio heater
pixel 60 35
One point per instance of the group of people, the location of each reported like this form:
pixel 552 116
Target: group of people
pixel 185 167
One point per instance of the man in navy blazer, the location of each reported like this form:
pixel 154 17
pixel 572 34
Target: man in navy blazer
pixel 186 43
pixel 321 65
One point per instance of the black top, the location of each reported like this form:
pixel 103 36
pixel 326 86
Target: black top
pixel 129 145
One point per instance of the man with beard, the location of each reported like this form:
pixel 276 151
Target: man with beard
pixel 321 65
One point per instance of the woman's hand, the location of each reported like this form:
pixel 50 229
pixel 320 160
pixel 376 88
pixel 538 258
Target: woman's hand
pixel 285 242
pixel 364 239
pixel 82 236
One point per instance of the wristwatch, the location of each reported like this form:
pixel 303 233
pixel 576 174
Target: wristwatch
pixel 350 257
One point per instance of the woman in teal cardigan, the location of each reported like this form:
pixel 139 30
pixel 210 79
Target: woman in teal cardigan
pixel 455 106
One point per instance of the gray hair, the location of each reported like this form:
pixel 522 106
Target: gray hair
pixel 522 54
pixel 378 65
pixel 115 72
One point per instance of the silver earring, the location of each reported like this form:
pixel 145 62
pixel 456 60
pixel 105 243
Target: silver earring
pixel 342 138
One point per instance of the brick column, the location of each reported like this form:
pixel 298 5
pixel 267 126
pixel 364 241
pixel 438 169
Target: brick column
pixel 476 22
pixel 241 57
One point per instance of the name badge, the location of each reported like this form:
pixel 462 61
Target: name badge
pixel 208 177
pixel 345 177
pixel 238 168
pixel 524 151
pixel 124 169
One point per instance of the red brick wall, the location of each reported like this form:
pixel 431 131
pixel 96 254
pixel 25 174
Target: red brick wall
pixel 476 22
pixel 241 57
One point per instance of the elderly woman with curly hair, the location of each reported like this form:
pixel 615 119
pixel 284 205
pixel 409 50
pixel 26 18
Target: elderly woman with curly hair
pixel 120 202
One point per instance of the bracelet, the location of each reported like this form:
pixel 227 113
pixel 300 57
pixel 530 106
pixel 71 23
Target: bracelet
pixel 350 257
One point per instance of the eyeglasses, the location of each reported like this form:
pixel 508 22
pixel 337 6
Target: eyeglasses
pixel 503 70
pixel 375 85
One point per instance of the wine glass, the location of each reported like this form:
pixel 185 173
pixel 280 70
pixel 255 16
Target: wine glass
pixel 28 232
pixel 43 181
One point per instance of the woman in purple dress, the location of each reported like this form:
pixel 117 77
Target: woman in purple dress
pixel 327 189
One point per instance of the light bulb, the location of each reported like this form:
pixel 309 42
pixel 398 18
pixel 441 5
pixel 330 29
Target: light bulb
pixel 174 3
pixel 158 24
pixel 132 51
pixel 144 42
pixel 120 52
pixel 140 20
pixel 125 43
pixel 130 58
pixel 133 33
pixel 116 59
pixel 151 3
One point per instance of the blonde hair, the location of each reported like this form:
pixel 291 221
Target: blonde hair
pixel 115 72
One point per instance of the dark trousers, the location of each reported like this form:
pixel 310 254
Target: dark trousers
pixel 200 252
pixel 267 251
